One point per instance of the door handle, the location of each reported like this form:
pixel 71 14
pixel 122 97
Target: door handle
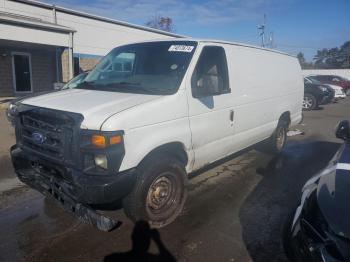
pixel 232 114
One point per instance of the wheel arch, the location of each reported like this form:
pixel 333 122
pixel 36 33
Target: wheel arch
pixel 175 149
pixel 285 116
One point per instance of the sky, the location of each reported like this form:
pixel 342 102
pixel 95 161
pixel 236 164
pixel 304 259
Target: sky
pixel 297 25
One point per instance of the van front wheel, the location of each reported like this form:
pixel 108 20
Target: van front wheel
pixel 159 193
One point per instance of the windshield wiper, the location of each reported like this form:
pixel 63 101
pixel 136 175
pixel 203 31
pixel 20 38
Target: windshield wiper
pixel 86 85
pixel 124 83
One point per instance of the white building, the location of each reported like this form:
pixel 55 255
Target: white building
pixel 41 44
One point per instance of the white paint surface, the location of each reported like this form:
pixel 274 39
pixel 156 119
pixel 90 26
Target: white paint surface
pixel 31 35
pixel 343 166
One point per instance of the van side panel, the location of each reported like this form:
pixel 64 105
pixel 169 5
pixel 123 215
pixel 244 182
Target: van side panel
pixel 264 85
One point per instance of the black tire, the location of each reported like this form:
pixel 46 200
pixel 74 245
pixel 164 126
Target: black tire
pixel 159 193
pixel 309 102
pixel 277 141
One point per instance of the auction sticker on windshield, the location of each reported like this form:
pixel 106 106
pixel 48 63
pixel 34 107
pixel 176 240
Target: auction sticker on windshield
pixel 181 48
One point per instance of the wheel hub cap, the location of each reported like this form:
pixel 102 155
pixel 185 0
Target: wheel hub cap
pixel 307 102
pixel 159 193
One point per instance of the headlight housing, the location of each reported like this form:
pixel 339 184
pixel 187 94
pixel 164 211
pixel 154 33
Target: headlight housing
pixel 102 151
pixel 322 88
pixel 11 112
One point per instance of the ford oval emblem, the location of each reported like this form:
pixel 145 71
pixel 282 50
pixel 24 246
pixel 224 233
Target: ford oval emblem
pixel 38 138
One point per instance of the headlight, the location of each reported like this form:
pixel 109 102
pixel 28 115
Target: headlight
pixel 323 89
pixel 12 108
pixel 101 161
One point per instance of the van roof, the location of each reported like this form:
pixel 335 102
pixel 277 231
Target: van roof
pixel 216 42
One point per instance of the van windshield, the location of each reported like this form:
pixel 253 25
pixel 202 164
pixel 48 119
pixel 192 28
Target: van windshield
pixel 155 68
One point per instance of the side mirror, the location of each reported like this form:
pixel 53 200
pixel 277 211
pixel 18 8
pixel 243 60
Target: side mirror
pixel 343 130
pixel 207 85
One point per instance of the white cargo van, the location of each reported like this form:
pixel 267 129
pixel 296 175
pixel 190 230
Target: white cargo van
pixel 149 114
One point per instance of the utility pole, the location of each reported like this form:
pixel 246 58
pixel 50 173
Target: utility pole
pixel 262 34
pixel 271 41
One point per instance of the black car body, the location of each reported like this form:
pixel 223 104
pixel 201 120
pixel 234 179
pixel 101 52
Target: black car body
pixel 316 95
pixel 319 229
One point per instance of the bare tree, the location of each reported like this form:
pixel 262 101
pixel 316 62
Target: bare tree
pixel 161 22
pixel 302 61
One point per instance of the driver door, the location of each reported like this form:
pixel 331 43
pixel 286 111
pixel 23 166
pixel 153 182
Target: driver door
pixel 211 113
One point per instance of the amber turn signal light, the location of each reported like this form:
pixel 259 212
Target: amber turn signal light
pixel 98 141
pixel 113 140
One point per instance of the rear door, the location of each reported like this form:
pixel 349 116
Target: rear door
pixel 211 116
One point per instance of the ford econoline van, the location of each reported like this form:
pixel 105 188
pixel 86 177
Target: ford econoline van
pixel 146 116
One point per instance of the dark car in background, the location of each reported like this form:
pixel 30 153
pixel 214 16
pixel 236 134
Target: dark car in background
pixel 319 228
pixel 315 95
pixel 334 80
pixel 338 91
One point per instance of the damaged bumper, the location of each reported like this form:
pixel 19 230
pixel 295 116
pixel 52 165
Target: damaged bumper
pixel 73 189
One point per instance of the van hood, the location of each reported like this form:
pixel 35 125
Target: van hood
pixel 95 106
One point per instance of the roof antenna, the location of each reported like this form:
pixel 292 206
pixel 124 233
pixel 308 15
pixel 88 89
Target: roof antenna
pixel 262 34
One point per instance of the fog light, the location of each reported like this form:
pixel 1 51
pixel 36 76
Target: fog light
pixel 101 161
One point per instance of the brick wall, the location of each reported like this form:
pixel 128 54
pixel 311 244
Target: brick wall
pixel 85 64
pixel 88 63
pixel 6 82
pixel 43 69
pixel 43 62
pixel 65 66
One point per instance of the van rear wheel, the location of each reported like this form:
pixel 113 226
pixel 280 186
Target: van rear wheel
pixel 159 193
pixel 278 140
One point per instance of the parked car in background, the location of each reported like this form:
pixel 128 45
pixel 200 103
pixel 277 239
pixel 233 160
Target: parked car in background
pixel 334 80
pixel 73 83
pixel 146 116
pixel 319 228
pixel 338 90
pixel 315 95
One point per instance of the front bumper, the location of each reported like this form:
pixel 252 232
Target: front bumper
pixel 327 99
pixel 340 95
pixel 74 189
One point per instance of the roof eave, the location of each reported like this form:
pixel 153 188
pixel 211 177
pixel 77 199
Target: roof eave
pixel 96 17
